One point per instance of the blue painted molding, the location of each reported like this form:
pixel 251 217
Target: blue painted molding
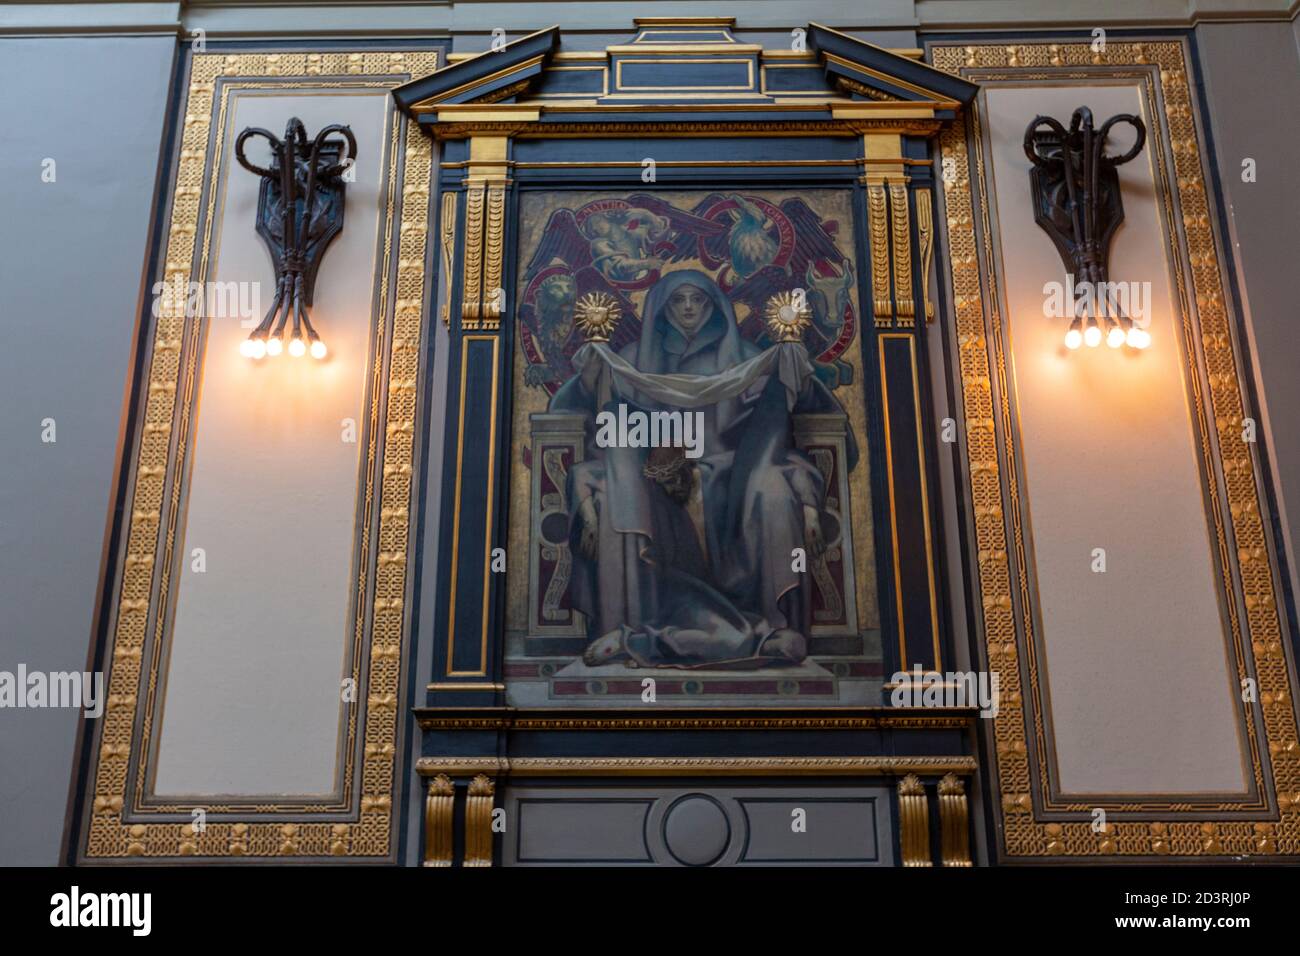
pixel 874 67
pixel 485 74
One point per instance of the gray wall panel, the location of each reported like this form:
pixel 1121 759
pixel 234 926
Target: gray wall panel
pixel 1248 102
pixel 682 826
pixel 585 829
pixel 71 255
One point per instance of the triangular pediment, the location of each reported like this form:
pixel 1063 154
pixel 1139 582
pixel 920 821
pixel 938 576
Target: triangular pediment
pixel 876 73
pixel 686 64
pixel 489 77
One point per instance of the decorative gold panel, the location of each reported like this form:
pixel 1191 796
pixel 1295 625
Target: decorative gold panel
pixel 438 808
pixel 473 282
pixel 493 254
pixel 954 821
pixel 167 403
pixel 448 243
pixel 925 238
pixel 1181 829
pixel 902 254
pixel 878 223
pixel 913 822
pixel 478 821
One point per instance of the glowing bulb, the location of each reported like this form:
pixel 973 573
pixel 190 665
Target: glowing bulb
pixel 1115 337
pixel 297 348
pixel 1138 338
pixel 274 347
pixel 318 349
pixel 1092 337
pixel 1073 339
pixel 256 349
pixel 246 348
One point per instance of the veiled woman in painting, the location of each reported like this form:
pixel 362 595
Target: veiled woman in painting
pixel 683 562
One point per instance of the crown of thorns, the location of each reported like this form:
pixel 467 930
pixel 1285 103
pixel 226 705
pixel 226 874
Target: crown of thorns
pixel 663 463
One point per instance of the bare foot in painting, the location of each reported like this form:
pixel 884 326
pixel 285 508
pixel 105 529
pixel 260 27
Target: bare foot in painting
pixel 785 644
pixel 608 649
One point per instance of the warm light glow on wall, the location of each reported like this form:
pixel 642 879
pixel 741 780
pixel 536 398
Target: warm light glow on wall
pixel 259 348
pixel 1120 331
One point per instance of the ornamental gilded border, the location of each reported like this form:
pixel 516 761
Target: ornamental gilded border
pixel 1244 548
pixel 166 405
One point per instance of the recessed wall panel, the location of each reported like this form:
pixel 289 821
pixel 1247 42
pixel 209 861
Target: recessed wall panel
pixel 1138 678
pixel 267 583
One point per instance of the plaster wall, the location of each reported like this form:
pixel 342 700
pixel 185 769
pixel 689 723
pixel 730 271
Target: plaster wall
pixel 253 701
pixel 1139 692
pixel 72 258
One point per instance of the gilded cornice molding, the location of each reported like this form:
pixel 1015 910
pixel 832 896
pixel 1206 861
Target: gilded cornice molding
pixel 885 718
pixel 462 129
pixel 696 766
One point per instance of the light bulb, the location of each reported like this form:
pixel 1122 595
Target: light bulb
pixel 1138 338
pixel 246 348
pixel 253 348
pixel 297 348
pixel 1092 337
pixel 1073 339
pixel 274 347
pixel 1115 337
pixel 318 349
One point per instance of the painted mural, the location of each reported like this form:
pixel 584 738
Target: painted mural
pixel 690 481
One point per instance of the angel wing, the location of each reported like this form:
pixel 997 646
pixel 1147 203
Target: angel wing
pixel 813 242
pixel 761 286
pixel 685 227
pixel 688 227
pixel 681 221
pixel 563 240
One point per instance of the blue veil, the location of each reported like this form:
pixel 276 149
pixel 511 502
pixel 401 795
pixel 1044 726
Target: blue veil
pixel 657 332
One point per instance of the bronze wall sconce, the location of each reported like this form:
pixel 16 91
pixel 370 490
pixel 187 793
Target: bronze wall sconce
pixel 1077 202
pixel 299 213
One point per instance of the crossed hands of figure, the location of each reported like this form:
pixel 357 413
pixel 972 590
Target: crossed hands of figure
pixel 589 529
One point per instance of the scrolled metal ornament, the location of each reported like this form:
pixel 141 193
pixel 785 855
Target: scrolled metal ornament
pixel 299 213
pixel 1077 202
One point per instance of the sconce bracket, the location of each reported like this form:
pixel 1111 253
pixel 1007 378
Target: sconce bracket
pixel 1075 188
pixel 299 213
pixel 326 219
